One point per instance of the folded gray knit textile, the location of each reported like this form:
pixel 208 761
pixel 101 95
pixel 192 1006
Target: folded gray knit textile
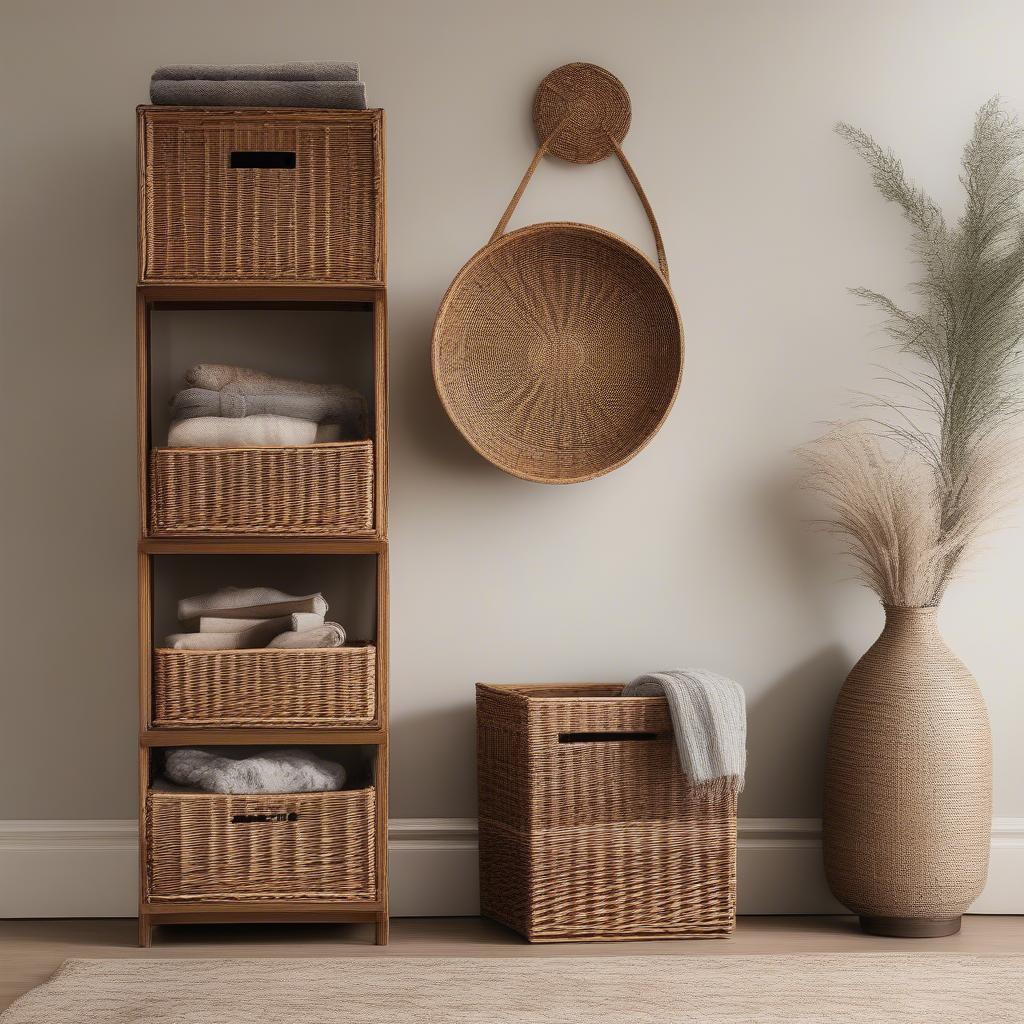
pixel 348 411
pixel 271 771
pixel 709 719
pixel 249 603
pixel 295 71
pixel 241 93
pixel 218 376
pixel 241 380
pixel 330 634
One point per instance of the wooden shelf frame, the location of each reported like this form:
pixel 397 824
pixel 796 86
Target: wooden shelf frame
pixel 266 295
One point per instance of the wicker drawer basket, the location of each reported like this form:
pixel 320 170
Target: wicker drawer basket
pixel 312 490
pixel 587 830
pixel 330 688
pixel 235 195
pixel 303 846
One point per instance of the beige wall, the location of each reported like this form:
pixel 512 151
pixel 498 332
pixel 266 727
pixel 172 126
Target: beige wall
pixel 687 556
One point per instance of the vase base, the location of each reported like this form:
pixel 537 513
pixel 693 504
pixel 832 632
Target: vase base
pixel 910 927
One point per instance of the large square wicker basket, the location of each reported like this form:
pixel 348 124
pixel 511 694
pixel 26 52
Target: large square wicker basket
pixel 587 829
pixel 261 195
pixel 303 846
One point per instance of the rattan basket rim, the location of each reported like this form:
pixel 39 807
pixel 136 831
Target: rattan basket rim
pixel 265 447
pixel 531 692
pixel 334 113
pixel 273 651
pixel 188 794
pixel 493 246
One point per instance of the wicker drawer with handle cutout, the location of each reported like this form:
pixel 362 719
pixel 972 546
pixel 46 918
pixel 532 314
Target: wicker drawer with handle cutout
pixel 240 195
pixel 302 846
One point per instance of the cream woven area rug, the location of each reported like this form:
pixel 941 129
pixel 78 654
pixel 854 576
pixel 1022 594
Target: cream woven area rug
pixel 868 988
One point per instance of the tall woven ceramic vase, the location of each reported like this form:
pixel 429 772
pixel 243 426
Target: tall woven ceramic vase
pixel 908 783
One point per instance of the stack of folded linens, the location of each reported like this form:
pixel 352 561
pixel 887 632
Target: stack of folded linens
pixel 325 84
pixel 235 407
pixel 242 618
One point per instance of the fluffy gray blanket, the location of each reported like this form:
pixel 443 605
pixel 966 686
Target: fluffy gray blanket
pixel 709 719
pixel 271 771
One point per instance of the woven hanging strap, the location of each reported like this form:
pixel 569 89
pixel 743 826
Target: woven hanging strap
pixel 630 173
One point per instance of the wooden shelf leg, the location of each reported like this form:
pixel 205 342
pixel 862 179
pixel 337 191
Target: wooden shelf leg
pixel 381 930
pixel 145 931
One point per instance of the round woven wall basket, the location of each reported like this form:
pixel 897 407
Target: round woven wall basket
pixel 558 348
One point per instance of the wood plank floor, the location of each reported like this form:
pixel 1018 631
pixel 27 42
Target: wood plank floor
pixel 30 951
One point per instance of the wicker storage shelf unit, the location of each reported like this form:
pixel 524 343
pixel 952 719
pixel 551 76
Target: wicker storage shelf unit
pixel 265 688
pixel 587 829
pixel 315 490
pixel 302 846
pixel 252 194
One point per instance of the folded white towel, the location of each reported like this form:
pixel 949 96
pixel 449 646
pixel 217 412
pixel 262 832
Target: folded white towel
pixel 249 432
pixel 284 623
pixel 330 634
pixel 249 603
pixel 270 771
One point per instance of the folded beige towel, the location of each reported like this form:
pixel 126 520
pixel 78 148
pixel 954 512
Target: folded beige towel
pixel 237 640
pixel 249 603
pixel 330 634
pixel 300 620
pixel 248 432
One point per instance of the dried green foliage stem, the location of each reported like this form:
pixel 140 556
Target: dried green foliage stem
pixel 909 518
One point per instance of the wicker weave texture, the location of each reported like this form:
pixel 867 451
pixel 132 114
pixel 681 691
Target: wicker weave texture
pixel 558 352
pixel 585 108
pixel 209 847
pixel 908 783
pixel 598 837
pixel 203 219
pixel 312 490
pixel 265 688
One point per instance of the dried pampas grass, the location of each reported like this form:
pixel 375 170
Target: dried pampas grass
pixel 886 508
pixel 911 491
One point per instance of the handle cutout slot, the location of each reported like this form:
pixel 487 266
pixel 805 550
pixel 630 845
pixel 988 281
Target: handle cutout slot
pixel 251 819
pixel 607 737
pixel 263 158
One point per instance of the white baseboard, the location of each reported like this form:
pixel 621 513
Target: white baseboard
pixel 88 868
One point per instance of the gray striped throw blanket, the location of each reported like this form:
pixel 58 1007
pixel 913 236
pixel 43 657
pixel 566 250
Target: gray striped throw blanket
pixel 709 719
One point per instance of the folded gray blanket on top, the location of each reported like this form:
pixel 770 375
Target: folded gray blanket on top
pixel 348 410
pixel 241 380
pixel 294 71
pixel 271 771
pixel 241 93
pixel 709 719
pixel 249 603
